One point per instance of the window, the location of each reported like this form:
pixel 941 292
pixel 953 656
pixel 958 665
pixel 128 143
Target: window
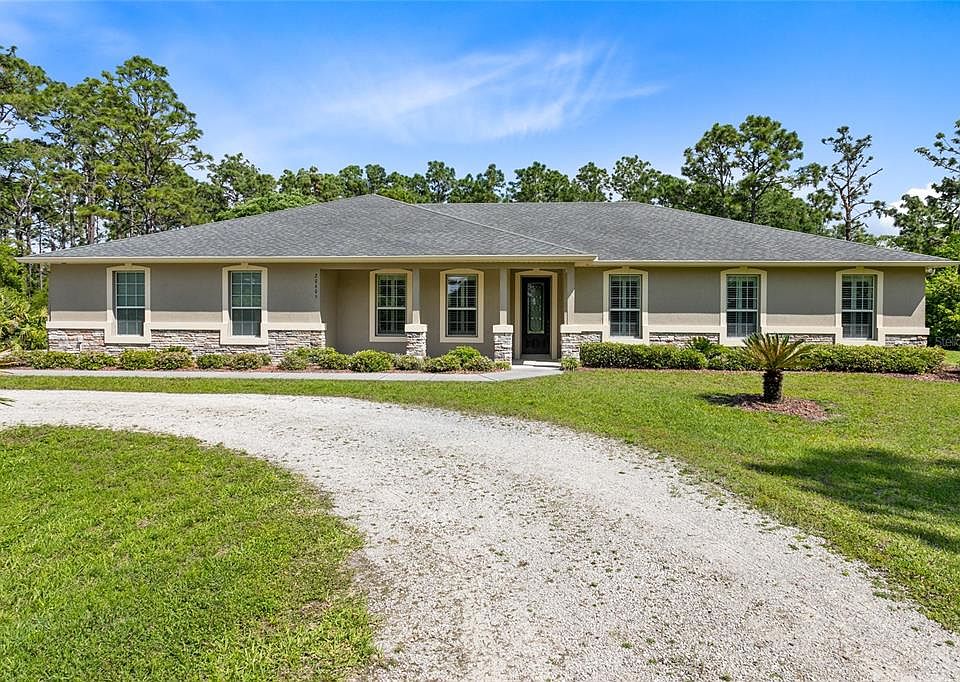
pixel 245 302
pixel 462 306
pixel 743 305
pixel 625 305
pixel 858 306
pixel 129 301
pixel 391 304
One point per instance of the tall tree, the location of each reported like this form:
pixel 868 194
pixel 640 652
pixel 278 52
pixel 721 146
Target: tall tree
pixel 441 180
pixel 764 153
pixel 486 188
pixel 635 180
pixel 235 180
pixel 538 183
pixel 849 179
pixel 593 183
pixel 153 139
pixel 711 163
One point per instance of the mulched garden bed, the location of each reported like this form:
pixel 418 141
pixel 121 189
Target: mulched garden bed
pixel 810 410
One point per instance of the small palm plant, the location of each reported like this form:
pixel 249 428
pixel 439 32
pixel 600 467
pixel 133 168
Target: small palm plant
pixel 773 354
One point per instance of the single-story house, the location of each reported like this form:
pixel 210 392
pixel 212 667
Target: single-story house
pixel 513 280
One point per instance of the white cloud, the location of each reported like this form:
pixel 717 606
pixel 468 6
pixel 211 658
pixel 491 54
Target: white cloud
pixel 481 97
pixel 885 224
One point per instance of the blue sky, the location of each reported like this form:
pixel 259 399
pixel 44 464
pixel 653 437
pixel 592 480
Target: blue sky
pixel 305 84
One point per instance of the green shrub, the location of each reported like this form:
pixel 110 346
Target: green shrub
pixel 708 347
pixel 324 358
pixel 639 356
pixel 174 359
pixel 407 362
pixel 480 363
pixel 444 363
pixel 569 364
pixel 212 361
pixel 248 360
pixel 502 365
pixel 464 354
pixel 176 349
pixel 135 358
pixel 690 358
pixel 371 361
pixel 730 359
pixel 900 360
pixel 92 360
pixel 294 361
pixel 51 359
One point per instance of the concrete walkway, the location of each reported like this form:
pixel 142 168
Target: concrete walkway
pixel 517 372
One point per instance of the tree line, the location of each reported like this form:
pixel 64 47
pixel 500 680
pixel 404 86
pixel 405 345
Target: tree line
pixel 119 155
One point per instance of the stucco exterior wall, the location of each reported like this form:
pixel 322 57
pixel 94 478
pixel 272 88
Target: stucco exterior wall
pixel 681 301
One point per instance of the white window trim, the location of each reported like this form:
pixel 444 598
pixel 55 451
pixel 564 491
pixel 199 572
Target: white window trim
pixel 443 307
pixel 761 313
pixel 518 310
pixel 110 334
pixel 644 308
pixel 226 328
pixel 374 337
pixel 877 313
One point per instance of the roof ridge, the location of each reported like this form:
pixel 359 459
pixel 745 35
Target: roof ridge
pixel 422 207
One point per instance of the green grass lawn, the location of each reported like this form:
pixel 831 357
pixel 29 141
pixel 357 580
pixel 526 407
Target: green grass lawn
pixel 953 357
pixel 132 556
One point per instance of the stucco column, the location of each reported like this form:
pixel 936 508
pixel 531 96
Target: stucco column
pixel 569 294
pixel 503 331
pixel 415 332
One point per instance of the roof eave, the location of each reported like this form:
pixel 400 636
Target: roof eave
pixel 462 258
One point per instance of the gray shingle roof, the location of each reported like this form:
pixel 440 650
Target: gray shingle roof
pixel 376 227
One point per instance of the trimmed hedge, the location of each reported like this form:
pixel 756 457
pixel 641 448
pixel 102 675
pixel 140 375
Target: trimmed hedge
pixel 407 362
pixel 133 358
pixel 174 359
pixel 640 356
pixel 371 361
pixel 898 360
pixel 212 361
pixel 248 360
pixel 822 358
pixel 324 358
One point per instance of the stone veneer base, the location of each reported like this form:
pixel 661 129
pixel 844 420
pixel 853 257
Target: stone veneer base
pixel 417 344
pixel 279 341
pixel 570 342
pixel 503 347
pixel 905 340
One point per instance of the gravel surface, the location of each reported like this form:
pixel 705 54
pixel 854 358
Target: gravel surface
pixel 499 549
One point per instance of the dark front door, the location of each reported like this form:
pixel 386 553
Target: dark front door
pixel 535 309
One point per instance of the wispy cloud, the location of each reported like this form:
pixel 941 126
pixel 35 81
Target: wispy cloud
pixel 483 96
pixel 885 223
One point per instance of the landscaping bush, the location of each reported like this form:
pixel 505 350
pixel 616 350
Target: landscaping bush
pixel 293 360
pixel 407 362
pixel 730 359
pixel 708 347
pixel 568 364
pixel 640 356
pixel 174 359
pixel 502 365
pixel 134 358
pixel 324 358
pixel 92 360
pixel 900 360
pixel 444 363
pixel 464 354
pixel 212 361
pixel 248 360
pixel 51 359
pixel 480 363
pixel 176 349
pixel 371 361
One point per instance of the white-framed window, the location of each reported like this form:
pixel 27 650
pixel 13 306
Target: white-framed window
pixel 246 302
pixel 858 306
pixel 129 301
pixel 244 305
pixel 128 304
pixel 624 292
pixel 625 305
pixel 462 298
pixel 390 304
pixel 743 305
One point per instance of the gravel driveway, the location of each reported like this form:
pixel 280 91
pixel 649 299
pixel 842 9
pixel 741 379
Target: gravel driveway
pixel 499 549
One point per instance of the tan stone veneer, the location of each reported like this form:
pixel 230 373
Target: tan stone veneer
pixel 199 342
